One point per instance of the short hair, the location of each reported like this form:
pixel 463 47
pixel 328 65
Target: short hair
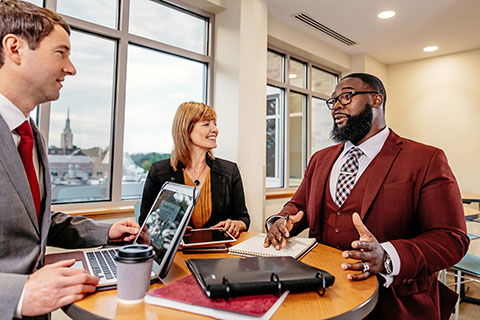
pixel 188 113
pixel 372 82
pixel 27 21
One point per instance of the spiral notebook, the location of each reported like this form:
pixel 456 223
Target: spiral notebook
pixel 296 247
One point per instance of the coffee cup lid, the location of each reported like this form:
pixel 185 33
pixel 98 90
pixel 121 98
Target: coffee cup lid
pixel 134 253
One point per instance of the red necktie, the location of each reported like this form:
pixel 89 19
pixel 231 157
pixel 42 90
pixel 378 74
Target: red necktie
pixel 25 149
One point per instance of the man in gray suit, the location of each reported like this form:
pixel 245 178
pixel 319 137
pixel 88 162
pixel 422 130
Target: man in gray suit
pixel 34 60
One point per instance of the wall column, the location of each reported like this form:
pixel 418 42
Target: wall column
pixel 240 72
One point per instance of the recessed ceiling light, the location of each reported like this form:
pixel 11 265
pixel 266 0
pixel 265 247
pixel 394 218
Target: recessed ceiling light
pixel 386 14
pixel 292 76
pixel 430 48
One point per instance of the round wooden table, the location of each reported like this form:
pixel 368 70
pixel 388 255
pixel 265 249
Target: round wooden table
pixel 344 300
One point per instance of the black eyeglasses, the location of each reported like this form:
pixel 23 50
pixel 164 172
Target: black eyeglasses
pixel 345 98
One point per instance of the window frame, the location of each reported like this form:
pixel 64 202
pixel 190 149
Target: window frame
pixel 279 133
pixel 123 38
pixel 307 110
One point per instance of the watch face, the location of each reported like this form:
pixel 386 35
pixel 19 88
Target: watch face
pixel 388 265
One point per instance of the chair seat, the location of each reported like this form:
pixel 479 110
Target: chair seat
pixel 473 236
pixel 469 264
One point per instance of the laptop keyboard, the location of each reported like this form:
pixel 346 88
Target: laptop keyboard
pixel 102 263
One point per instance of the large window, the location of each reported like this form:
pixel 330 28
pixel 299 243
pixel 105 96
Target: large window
pixel 275 131
pixel 113 119
pixel 298 121
pixel 156 84
pixel 81 122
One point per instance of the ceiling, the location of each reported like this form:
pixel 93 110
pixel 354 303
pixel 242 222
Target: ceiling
pixel 453 25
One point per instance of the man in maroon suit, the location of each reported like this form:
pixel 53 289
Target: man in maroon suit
pixel 391 203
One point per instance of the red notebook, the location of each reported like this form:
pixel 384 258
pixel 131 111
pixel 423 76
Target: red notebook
pixel 185 294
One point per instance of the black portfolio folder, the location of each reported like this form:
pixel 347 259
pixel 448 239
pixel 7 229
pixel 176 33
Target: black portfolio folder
pixel 230 277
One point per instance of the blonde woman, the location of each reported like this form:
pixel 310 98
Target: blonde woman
pixel 221 201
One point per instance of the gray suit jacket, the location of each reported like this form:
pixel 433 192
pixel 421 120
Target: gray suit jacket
pixel 22 239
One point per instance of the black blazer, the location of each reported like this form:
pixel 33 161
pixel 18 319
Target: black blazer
pixel 228 199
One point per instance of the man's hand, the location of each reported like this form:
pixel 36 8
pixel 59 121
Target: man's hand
pixel 280 231
pixel 125 230
pixel 234 227
pixel 367 249
pixel 55 286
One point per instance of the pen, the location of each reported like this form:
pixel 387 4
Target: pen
pixel 286 219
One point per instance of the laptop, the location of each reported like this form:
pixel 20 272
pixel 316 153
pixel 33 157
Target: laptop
pixel 163 229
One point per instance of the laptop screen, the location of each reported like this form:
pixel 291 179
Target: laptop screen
pixel 166 222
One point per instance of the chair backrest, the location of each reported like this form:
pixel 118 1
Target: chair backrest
pixel 136 208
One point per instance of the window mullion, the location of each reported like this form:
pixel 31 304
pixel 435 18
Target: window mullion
pixel 119 112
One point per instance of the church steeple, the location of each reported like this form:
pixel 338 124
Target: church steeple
pixel 67 135
pixel 67 123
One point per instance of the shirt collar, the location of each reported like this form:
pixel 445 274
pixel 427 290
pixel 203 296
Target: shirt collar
pixel 371 146
pixel 11 114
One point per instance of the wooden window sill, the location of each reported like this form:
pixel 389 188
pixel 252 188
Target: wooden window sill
pixel 103 213
pixel 280 193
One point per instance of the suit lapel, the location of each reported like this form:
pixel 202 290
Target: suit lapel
pixel 218 186
pixel 382 165
pixel 319 181
pixel 10 159
pixel 327 164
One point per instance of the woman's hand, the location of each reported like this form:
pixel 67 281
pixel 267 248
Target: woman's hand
pixel 234 227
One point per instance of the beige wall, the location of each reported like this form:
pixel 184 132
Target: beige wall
pixel 240 79
pixel 437 101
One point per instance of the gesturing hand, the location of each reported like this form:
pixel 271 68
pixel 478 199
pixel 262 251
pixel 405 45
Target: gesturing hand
pixel 55 286
pixel 280 231
pixel 125 230
pixel 367 249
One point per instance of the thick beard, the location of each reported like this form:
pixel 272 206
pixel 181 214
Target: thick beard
pixel 356 127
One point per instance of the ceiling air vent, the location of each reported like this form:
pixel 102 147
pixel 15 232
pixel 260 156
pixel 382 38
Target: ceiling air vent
pixel 317 25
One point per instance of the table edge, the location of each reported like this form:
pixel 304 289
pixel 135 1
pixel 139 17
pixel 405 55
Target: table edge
pixel 76 312
pixel 362 310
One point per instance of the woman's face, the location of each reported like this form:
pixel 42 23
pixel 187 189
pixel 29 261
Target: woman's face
pixel 204 134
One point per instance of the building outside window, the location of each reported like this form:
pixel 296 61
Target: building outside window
pixel 136 61
pixel 298 121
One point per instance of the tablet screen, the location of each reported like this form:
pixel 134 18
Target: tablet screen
pixel 166 223
pixel 204 237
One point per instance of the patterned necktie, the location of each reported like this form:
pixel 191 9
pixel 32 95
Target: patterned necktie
pixel 346 178
pixel 25 149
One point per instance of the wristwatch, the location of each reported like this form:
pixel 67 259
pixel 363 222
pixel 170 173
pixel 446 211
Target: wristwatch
pixel 271 220
pixel 387 264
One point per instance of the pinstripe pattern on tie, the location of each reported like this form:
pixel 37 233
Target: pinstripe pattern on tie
pixel 346 178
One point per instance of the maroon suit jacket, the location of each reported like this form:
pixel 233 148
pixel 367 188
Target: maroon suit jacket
pixel 412 200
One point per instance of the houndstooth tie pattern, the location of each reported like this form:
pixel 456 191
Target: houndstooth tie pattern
pixel 346 178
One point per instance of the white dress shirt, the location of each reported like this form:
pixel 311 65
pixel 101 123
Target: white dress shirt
pixel 370 149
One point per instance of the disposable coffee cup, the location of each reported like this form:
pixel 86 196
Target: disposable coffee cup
pixel 134 266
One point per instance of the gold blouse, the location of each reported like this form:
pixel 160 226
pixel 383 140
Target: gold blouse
pixel 203 208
